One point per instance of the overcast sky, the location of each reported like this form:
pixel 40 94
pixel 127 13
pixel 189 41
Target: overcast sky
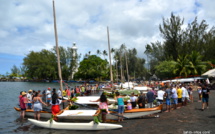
pixel 27 25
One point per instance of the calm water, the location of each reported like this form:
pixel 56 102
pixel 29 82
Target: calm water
pixel 10 121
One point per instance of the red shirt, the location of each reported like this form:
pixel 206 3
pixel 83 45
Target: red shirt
pixel 22 102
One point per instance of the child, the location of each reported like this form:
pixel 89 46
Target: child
pixel 129 106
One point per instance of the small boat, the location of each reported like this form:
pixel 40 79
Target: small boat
pixel 87 115
pixel 113 115
pixel 137 112
pixel 75 126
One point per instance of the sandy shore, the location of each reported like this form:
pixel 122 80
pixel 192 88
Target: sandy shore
pixel 187 120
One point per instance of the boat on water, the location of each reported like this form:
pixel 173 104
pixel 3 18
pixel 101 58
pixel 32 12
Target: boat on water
pixel 84 114
pixel 74 126
pixel 113 115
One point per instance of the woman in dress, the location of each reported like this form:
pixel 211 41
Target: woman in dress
pixel 37 105
pixel 103 106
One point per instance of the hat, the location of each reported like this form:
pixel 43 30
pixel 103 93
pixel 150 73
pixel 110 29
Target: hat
pixel 128 101
pixel 23 93
pixel 49 88
pixel 30 90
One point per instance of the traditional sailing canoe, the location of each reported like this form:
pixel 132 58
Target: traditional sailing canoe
pixel 88 114
pixel 75 126
pixel 66 114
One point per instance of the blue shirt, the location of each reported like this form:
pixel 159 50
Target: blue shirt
pixel 120 101
pixel 150 97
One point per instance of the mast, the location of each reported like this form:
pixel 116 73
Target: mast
pixel 127 69
pixel 57 50
pixel 111 74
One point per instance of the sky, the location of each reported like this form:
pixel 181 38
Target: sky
pixel 27 25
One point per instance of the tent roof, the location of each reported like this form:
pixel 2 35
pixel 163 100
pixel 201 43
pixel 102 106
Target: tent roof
pixel 210 73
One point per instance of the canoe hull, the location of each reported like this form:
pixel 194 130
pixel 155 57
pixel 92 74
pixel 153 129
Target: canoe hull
pixel 74 126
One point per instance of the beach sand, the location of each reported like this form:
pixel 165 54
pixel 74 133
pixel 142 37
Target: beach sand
pixel 189 119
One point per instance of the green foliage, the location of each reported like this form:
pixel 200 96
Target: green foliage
pixel 191 48
pixel 129 92
pixel 164 69
pixel 41 64
pixel 73 107
pixel 74 99
pixel 92 67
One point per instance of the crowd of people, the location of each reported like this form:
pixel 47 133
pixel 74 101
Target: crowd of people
pixel 173 95
pixel 34 100
pixel 50 97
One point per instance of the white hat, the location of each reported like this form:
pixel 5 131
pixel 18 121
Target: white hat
pixel 128 101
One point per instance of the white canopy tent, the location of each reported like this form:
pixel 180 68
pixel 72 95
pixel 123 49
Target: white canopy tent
pixel 210 73
pixel 184 80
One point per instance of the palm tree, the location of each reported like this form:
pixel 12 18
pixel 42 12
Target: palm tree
pixel 196 65
pixel 98 52
pixel 104 53
pixel 182 66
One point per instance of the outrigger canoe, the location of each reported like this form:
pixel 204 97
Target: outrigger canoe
pixel 30 113
pixel 88 114
pixel 66 114
pixel 75 126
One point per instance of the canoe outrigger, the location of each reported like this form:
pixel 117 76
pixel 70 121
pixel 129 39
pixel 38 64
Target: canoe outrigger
pixel 75 126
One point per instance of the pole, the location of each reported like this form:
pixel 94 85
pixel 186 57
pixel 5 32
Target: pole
pixel 127 69
pixel 111 74
pixel 57 50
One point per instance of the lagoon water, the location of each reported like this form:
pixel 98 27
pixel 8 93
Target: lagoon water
pixel 9 118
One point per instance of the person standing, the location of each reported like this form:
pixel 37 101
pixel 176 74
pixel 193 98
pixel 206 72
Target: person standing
pixel 55 103
pixel 59 93
pixel 190 92
pixel 37 105
pixel 120 102
pixel 174 97
pixel 184 95
pixel 22 103
pixel 29 97
pixel 141 100
pixel 133 99
pixel 200 93
pixel 179 93
pixel 82 90
pixel 205 96
pixel 160 97
pixel 103 106
pixel 48 95
pixel 68 92
pixel 150 98
pixel 168 94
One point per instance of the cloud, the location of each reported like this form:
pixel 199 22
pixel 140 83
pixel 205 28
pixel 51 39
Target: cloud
pixel 27 25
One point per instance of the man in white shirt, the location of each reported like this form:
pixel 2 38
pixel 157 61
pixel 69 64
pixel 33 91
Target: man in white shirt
pixel 174 97
pixel 29 99
pixel 59 93
pixel 184 95
pixel 160 96
pixel 48 95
